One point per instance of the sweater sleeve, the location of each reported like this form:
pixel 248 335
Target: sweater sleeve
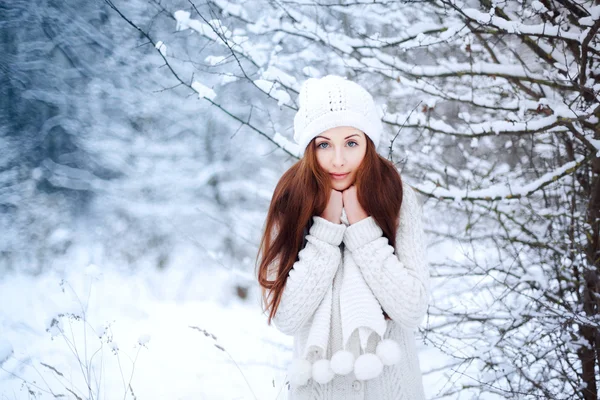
pixel 399 282
pixel 310 276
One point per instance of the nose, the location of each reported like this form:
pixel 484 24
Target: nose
pixel 339 158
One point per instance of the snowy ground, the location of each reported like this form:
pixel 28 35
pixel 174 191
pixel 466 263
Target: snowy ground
pixel 143 333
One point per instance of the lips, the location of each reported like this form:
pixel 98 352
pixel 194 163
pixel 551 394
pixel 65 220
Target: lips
pixel 339 176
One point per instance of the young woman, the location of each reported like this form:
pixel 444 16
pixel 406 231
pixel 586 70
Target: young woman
pixel 342 258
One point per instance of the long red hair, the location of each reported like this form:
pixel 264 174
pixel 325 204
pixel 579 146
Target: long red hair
pixel 302 192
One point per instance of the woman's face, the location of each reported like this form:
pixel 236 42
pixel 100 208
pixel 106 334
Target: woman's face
pixel 340 150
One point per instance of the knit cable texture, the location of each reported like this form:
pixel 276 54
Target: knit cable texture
pixel 399 282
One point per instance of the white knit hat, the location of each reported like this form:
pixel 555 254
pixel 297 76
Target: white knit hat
pixel 333 101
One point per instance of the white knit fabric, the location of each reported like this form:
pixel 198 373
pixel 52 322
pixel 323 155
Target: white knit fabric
pixel 359 311
pixel 333 101
pixel 400 283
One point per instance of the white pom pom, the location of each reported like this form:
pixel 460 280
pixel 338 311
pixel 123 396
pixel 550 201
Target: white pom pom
pixel 342 362
pixel 322 372
pixel 299 372
pixel 388 351
pixel 367 366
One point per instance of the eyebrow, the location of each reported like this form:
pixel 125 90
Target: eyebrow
pixel 355 134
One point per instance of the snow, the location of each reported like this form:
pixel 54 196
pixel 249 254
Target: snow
pixel 311 72
pixel 501 190
pixel 144 339
pixel 282 97
pixel 539 7
pixel 270 84
pixel 596 144
pixel 383 61
pixel 264 85
pixel 203 91
pixel 227 78
pixel 220 34
pixel 5 350
pixel 495 127
pixel 182 18
pixel 520 28
pixel 287 144
pixel 215 60
pixel 59 235
pixel 273 73
pixel 151 336
pixel 74 178
pixel 142 327
pixel 161 47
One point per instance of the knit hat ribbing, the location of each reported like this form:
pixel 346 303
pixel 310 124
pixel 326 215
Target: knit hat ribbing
pixel 334 101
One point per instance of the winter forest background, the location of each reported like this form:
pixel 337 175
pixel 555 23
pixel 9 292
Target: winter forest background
pixel 140 142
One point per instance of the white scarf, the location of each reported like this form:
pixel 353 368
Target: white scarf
pixel 359 309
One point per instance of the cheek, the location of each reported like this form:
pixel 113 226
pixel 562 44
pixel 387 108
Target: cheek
pixel 320 160
pixel 357 160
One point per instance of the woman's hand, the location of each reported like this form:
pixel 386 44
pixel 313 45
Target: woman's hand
pixel 354 210
pixel 333 211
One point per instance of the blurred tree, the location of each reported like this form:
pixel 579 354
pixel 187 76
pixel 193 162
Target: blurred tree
pixel 98 152
pixel 50 51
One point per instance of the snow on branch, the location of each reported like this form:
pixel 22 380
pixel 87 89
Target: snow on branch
pixel 502 192
pixel 203 91
pixel 545 29
pixel 482 129
pixel 381 61
pixel 239 45
pixel 215 31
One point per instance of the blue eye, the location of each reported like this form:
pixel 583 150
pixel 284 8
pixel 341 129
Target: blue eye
pixel 352 141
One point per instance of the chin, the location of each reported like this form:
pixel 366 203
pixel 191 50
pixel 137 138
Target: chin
pixel 341 186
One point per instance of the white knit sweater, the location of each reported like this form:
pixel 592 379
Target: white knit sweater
pixel 400 284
